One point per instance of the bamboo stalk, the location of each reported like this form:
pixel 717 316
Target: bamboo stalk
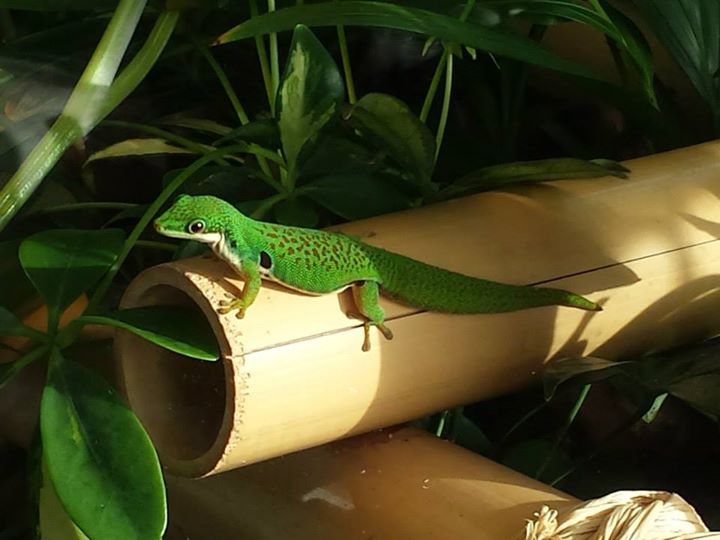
pixel 293 375
pixel 396 483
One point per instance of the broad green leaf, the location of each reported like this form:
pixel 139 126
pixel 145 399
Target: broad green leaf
pixel 176 328
pixel 137 147
pixel 340 155
pixel 702 392
pixel 309 96
pixel 398 17
pixel 22 289
pixel 227 182
pixel 100 460
pixel 357 195
pixel 544 170
pixel 10 325
pixel 55 524
pixel 393 127
pixel 63 264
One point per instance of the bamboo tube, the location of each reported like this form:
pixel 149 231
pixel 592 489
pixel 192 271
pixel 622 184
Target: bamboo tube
pixel 393 484
pixel 293 375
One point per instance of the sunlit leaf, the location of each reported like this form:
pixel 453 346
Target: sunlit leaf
pixel 309 96
pixel 394 128
pixel 137 147
pixel 100 460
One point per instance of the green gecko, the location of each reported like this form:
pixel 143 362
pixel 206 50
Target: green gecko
pixel 320 262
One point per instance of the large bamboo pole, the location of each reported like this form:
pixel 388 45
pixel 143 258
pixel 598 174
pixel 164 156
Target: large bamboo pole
pixel 393 484
pixel 293 375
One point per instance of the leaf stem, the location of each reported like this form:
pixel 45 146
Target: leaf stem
pixel 263 58
pixel 563 431
pixel 274 60
pixel 225 83
pixel 8 371
pixel 153 209
pixel 432 89
pixel 94 97
pixel 347 67
pixel 445 105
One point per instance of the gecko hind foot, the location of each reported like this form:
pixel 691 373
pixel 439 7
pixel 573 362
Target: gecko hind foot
pixel 380 326
pixel 225 307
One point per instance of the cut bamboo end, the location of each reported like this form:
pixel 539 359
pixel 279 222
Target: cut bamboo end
pixel 293 375
pixel 395 483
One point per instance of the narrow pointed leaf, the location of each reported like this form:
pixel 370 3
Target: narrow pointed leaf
pixel 181 330
pixel 137 147
pixel 100 460
pixel 63 264
pixel 398 17
pixel 497 176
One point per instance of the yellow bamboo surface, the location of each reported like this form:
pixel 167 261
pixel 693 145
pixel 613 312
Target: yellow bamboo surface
pixel 390 485
pixel 293 375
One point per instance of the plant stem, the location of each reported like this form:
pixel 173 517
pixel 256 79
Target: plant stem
pixel 225 82
pixel 634 419
pixel 13 368
pixel 432 89
pixel 347 68
pixel 262 57
pixel 234 100
pixel 563 431
pixel 149 214
pixel 94 96
pixel 274 60
pixel 445 105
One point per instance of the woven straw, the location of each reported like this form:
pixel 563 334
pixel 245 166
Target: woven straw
pixel 623 515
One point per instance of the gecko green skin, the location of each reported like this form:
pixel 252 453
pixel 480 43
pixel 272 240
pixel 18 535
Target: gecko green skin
pixel 319 262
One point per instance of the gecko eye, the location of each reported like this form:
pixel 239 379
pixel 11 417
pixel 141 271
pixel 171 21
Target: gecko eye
pixel 196 227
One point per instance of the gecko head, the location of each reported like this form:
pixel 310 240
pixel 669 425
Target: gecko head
pixel 202 218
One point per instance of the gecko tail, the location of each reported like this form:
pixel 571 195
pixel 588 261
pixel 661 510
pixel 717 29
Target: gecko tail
pixel 436 289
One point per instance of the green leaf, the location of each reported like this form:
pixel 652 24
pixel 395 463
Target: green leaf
pixel 296 212
pixel 63 264
pixel 690 31
pixel 58 5
pixel 398 17
pixel 100 460
pixel 176 328
pixel 198 124
pixel 357 195
pixel 580 370
pixel 55 524
pixel 310 94
pixel 10 325
pixel 497 176
pixel 262 132
pixel 22 289
pixel 393 127
pixel 137 147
